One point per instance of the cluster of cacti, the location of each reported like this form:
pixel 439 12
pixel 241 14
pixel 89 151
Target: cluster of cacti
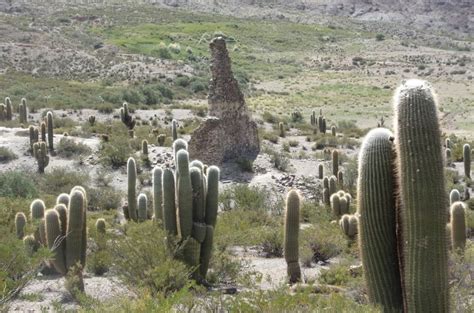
pixel 292 229
pixel 189 206
pixel 404 252
pixel 91 120
pixel 349 225
pixel 34 136
pixel 296 116
pixel 126 117
pixel 321 122
pixel 50 131
pixel 281 128
pixel 174 130
pixel 313 119
pixel 340 203
pixel 41 155
pixel 23 111
pixel 466 152
pixel 66 236
pixel 458 225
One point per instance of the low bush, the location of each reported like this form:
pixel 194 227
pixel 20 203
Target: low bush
pixel 68 148
pixel 6 155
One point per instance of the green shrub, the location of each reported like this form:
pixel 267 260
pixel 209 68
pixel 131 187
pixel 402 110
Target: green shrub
pixel 320 242
pixel 6 155
pixel 61 179
pixel 244 197
pixel 115 153
pixel 17 184
pixel 380 37
pixel 68 148
pixel 104 198
pixel 143 260
pixel 198 86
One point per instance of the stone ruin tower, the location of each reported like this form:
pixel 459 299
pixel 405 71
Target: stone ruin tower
pixel 228 133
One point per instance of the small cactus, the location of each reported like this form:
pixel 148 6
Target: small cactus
pixel 145 147
pixel 292 228
pixel 50 131
pixel 174 130
pixel 333 130
pixel 3 112
pixel 9 109
pixel 340 179
pixel 23 111
pixel 41 155
pixel 448 156
pixel 467 160
pixel 20 223
pixel 332 185
pixel 31 244
pixel 335 205
pixel 320 171
pixel 132 181
pixel 100 226
pixel 43 131
pixel 142 202
pixel 326 196
pixel 91 120
pixel 458 226
pixel 281 127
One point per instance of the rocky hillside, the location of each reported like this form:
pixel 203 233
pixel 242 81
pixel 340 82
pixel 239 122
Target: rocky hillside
pixel 450 15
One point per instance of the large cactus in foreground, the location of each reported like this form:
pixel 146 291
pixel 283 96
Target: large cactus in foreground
pixel 210 218
pixel 458 225
pixel 377 220
pixel 292 228
pixel 466 152
pixel 422 197
pixel 132 190
pixel 184 195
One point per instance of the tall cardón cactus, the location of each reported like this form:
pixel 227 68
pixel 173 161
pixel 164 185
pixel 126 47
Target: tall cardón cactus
pixel 132 190
pixel 377 220
pixel 9 109
pixel 50 131
pixel 466 152
pixel 174 130
pixel 422 198
pixel 157 193
pixel 169 203
pixel 335 162
pixel 23 111
pixel 292 229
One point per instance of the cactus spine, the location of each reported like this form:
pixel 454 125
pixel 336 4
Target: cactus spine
pixel 458 226
pixel 292 228
pixel 466 149
pixel 41 155
pixel 50 131
pixel 132 196
pixel 20 222
pixel 377 220
pixel 157 193
pixel 423 211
